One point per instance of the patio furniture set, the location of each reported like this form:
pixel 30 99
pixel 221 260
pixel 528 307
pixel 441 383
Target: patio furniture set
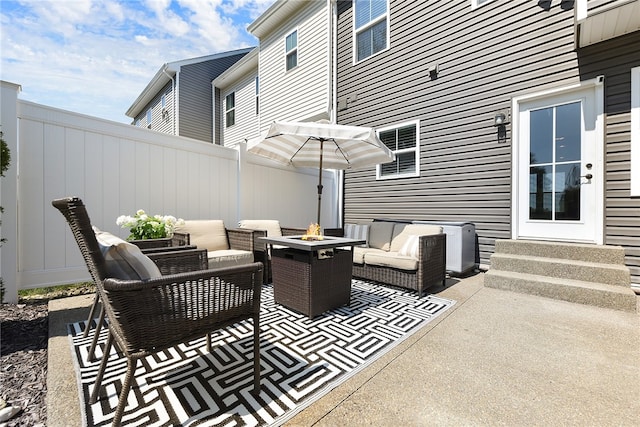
pixel 156 295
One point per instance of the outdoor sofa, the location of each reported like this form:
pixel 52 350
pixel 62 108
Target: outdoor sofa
pixel 411 256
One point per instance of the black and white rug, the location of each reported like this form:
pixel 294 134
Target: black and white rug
pixel 301 360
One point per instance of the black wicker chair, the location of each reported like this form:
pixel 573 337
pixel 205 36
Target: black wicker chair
pixel 147 316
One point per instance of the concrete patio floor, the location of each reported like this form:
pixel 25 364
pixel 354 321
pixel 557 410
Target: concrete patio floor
pixel 495 358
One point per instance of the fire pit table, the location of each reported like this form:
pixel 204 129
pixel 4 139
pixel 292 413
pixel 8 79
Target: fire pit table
pixel 311 276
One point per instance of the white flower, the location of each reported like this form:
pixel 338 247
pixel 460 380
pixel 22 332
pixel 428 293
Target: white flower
pixel 140 212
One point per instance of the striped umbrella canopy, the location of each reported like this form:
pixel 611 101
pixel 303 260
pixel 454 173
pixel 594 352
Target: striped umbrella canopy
pixel 321 145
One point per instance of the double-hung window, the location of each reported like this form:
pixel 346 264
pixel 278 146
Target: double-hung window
pixel 478 3
pixel 291 50
pixel 230 109
pixel 149 117
pixel 403 141
pixel 371 27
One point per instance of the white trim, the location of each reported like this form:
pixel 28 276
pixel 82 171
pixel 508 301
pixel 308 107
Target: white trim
pixel 598 168
pixel 476 4
pixel 416 150
pixel 354 33
pixel 635 131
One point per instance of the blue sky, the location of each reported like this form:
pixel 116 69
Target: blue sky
pixel 96 56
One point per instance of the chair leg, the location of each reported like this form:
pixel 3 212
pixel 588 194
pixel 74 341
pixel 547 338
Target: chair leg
pixel 103 364
pixel 92 350
pixel 91 312
pixel 209 343
pixel 256 354
pixel 124 393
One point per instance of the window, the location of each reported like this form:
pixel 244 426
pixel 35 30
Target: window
pixel 163 101
pixel 149 117
pixel 291 50
pixel 230 108
pixel 371 26
pixel 257 95
pixel 403 141
pixel 478 3
pixel 635 131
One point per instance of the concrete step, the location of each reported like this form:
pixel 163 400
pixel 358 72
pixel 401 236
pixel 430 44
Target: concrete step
pixel 573 251
pixel 576 291
pixel 610 274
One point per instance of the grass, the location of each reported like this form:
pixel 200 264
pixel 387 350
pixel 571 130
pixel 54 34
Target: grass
pixel 53 292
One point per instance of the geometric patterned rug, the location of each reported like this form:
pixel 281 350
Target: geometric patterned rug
pixel 301 359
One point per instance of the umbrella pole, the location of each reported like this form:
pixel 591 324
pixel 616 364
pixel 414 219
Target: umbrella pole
pixel 320 180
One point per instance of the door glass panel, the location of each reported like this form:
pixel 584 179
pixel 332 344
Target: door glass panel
pixel 568 132
pixel 540 194
pixel 541 136
pixel 555 138
pixel 567 192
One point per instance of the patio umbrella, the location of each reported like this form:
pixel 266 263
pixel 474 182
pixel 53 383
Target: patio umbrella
pixel 321 145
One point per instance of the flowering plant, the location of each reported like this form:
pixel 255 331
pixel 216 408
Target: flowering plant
pixel 143 226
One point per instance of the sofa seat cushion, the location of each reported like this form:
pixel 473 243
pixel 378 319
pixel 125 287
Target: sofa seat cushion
pixel 271 226
pixel 391 259
pixel 360 252
pixel 209 234
pixel 413 230
pixel 229 258
pixel 124 260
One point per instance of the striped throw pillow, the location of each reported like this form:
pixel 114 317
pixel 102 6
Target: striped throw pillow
pixel 357 231
pixel 410 247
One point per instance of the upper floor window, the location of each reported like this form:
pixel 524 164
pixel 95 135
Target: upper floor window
pixel 257 95
pixel 403 141
pixel 371 27
pixel 149 117
pixel 478 3
pixel 230 109
pixel 291 50
pixel 163 101
pixel 635 131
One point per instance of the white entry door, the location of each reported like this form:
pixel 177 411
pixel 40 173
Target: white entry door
pixel 558 165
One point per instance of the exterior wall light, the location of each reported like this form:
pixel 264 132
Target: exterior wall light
pixel 501 118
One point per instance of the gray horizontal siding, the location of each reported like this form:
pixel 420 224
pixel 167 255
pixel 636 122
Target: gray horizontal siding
pixel 196 97
pixel 486 56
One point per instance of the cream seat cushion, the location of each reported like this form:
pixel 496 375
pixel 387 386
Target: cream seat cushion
pixel 359 253
pixel 209 234
pixel 272 226
pixel 391 259
pixel 229 258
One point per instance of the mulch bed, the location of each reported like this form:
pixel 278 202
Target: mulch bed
pixel 23 361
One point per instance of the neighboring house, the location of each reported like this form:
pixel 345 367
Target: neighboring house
pixel 295 61
pixel 178 100
pixel 521 117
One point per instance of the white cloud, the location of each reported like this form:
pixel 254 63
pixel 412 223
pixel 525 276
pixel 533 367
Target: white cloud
pixel 95 57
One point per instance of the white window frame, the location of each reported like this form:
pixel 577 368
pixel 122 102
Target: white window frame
pixel 386 16
pixel 635 131
pixel 149 118
pixel 415 149
pixel 228 110
pixel 291 51
pixel 479 3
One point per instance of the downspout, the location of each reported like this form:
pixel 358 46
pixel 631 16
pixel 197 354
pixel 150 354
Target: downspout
pixel 333 97
pixel 173 99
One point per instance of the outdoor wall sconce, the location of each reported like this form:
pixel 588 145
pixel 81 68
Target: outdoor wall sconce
pixel 501 118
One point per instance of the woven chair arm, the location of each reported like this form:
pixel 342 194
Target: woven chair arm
pixel 292 231
pixel 241 239
pixel 160 313
pixel 179 260
pixel 180 239
pixel 334 232
pixel 167 249
pixel 152 243
pixel 432 252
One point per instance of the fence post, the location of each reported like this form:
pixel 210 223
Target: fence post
pixel 9 191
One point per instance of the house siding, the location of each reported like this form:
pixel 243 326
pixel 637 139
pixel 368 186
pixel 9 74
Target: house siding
pixel 159 122
pixel 196 96
pixel 485 56
pixel 303 92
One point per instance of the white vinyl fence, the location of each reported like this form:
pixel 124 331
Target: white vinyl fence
pixel 117 169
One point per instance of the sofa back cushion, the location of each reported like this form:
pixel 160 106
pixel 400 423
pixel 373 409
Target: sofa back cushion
pixel 413 230
pixel 272 226
pixel 380 234
pixel 209 234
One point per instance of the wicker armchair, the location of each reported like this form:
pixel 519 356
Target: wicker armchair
pixel 147 316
